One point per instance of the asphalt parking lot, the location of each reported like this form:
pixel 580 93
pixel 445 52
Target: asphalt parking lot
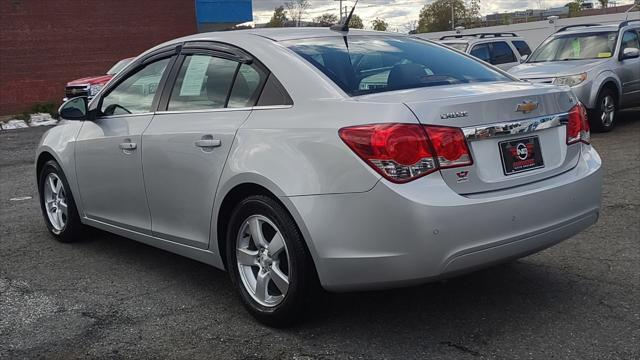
pixel 109 297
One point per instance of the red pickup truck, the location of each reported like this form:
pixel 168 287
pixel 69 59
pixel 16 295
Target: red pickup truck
pixel 89 86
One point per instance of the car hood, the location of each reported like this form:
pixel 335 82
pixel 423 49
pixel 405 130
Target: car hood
pixel 91 80
pixel 553 68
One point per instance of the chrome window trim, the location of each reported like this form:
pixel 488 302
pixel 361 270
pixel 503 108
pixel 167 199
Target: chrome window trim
pixel 518 127
pixel 250 108
pixel 125 115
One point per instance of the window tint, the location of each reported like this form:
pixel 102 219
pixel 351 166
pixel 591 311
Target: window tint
pixel 203 83
pixel 384 63
pixel 246 88
pixel 481 52
pixel 135 94
pixel 630 40
pixel 274 93
pixel 502 53
pixel 522 47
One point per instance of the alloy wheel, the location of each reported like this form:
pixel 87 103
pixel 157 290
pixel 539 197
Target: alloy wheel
pixel 608 110
pixel 55 202
pixel 263 260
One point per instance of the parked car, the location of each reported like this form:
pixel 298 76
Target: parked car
pixel 601 64
pixel 504 50
pixel 89 86
pixel 259 152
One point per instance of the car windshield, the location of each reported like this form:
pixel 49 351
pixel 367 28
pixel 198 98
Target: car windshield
pixel 373 64
pixel 458 46
pixel 119 66
pixel 597 45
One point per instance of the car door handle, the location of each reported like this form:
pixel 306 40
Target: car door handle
pixel 128 146
pixel 208 143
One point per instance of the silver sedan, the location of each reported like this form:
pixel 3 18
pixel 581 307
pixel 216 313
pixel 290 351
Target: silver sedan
pixel 302 159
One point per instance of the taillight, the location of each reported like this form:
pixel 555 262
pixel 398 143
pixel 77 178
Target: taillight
pixel 404 152
pixel 578 125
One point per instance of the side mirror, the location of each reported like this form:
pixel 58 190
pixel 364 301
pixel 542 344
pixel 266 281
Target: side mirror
pixel 523 58
pixel 630 53
pixel 75 109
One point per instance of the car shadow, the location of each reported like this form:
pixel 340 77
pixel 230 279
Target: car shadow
pixel 492 298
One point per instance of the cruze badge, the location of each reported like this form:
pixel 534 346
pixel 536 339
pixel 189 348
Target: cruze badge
pixel 527 106
pixel 453 115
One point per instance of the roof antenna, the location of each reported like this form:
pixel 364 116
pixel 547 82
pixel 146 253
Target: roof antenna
pixel 344 27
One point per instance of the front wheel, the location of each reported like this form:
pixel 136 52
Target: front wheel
pixel 602 118
pixel 268 261
pixel 57 204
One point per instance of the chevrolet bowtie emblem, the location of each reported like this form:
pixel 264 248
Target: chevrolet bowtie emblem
pixel 527 106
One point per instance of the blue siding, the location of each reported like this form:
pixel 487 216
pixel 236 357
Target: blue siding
pixel 224 11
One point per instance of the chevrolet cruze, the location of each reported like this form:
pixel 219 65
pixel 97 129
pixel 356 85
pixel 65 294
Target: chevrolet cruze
pixel 301 159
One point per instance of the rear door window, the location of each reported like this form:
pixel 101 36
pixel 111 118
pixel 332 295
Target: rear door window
pixel 522 47
pixel 247 86
pixel 210 82
pixel 501 53
pixel 481 51
pixel 203 82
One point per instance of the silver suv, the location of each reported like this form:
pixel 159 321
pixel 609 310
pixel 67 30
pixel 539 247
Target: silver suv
pixel 504 50
pixel 601 64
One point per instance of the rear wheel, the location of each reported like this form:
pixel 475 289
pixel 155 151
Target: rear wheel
pixel 57 204
pixel 602 118
pixel 268 261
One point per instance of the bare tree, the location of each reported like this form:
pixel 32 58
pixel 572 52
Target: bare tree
pixel 604 3
pixel 540 4
pixel 410 27
pixel 297 9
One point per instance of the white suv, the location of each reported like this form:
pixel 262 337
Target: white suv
pixel 504 50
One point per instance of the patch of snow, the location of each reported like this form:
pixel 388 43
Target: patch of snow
pixel 42 119
pixel 14 124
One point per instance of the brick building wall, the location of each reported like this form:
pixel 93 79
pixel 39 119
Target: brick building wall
pixel 46 43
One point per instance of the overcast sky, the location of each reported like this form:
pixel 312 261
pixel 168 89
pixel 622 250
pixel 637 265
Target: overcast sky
pixel 399 12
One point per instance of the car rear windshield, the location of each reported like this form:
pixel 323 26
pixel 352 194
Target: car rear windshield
pixel 595 45
pixel 362 64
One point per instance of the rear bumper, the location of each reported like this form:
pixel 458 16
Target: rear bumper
pixel 397 235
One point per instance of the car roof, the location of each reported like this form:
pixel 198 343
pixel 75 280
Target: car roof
pixel 284 34
pixel 589 29
pixel 469 39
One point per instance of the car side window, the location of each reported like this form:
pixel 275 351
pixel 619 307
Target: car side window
pixel 208 82
pixel 135 94
pixel 273 93
pixel 481 51
pixel 630 40
pixel 501 53
pixel 247 86
pixel 522 47
pixel 203 82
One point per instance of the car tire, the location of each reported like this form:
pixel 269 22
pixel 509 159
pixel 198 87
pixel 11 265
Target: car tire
pixel 602 118
pixel 265 248
pixel 57 204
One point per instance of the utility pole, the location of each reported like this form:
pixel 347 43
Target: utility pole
pixel 453 25
pixel 340 9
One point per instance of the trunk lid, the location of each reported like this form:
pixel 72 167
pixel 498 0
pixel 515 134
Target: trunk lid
pixel 497 134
